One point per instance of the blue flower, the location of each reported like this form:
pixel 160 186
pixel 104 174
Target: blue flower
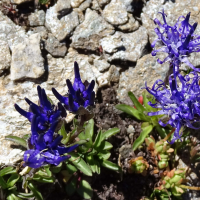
pixel 178 41
pixel 79 95
pixel 181 103
pixel 45 148
pixel 48 113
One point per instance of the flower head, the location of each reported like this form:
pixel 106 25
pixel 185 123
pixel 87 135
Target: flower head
pixel 48 113
pixel 45 148
pixel 79 95
pixel 181 103
pixel 178 41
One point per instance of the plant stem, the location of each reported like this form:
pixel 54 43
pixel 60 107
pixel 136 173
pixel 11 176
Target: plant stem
pixel 189 187
pixel 168 136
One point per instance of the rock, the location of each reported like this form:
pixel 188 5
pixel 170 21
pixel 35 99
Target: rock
pixel 10 32
pixel 63 7
pixel 5 58
pixel 125 46
pixel 27 61
pixel 87 35
pixel 115 13
pixel 103 2
pixel 20 1
pixel 54 47
pixel 40 29
pixel 76 3
pixel 146 70
pixel 130 129
pixel 37 18
pixel 101 64
pixel 95 6
pixel 128 5
pixel 131 25
pixel 61 28
pixel 125 151
pixel 86 4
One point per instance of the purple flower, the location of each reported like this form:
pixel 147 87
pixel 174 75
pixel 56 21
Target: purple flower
pixel 79 95
pixel 48 113
pixel 45 148
pixel 178 41
pixel 181 103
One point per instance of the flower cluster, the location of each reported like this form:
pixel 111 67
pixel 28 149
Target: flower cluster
pixel 178 41
pixel 47 112
pixel 79 95
pixel 181 102
pixel 44 147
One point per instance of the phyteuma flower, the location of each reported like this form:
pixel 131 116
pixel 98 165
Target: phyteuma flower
pixel 180 102
pixel 80 95
pixel 178 41
pixel 48 113
pixel 45 148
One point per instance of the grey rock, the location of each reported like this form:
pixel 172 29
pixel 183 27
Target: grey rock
pixel 131 25
pixel 103 2
pixel 86 4
pixel 54 47
pixel 88 34
pixel 20 1
pixel 126 46
pixel 63 7
pixel 130 129
pixel 95 6
pixel 101 64
pixel 39 29
pixel 27 61
pixel 146 70
pixel 76 3
pixel 115 13
pixel 128 5
pixel 61 28
pixel 10 32
pixel 5 58
pixel 125 151
pixel 37 18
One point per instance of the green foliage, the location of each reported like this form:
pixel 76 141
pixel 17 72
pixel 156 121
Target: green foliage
pixel 44 2
pixel 17 140
pixel 140 113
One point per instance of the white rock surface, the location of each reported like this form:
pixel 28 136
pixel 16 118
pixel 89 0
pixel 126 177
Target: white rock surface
pixel 125 47
pixel 76 3
pixel 20 1
pixel 61 28
pixel 115 13
pixel 27 61
pixel 37 18
pixel 5 58
pixel 88 34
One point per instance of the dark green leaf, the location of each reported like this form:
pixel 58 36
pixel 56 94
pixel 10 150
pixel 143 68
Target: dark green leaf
pixel 12 180
pixel 145 132
pixel 49 173
pixel 105 146
pixel 36 193
pixel 17 140
pixel 43 179
pixel 7 170
pixel 132 111
pixel 98 140
pixel 62 131
pixel 94 164
pixel 25 195
pixel 70 168
pixel 146 100
pixel 110 165
pixel 3 183
pixel 161 131
pixel 56 169
pixel 109 133
pixel 85 190
pixel 69 135
pixel 80 164
pixel 71 186
pixel 44 2
pixel 136 103
pixel 26 137
pixel 104 155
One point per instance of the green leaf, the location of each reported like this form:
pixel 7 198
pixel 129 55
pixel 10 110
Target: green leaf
pixel 36 193
pixel 26 137
pixel 17 140
pixel 104 155
pixel 71 186
pixel 49 173
pixel 136 103
pixel 7 170
pixel 94 164
pixel 145 132
pixel 3 183
pixel 161 131
pixel 70 168
pixel 43 179
pixel 67 139
pixel 62 131
pixel 132 111
pixel 98 140
pixel 80 164
pixel 110 165
pixel 13 197
pixel 12 180
pixel 146 100
pixel 105 146
pixel 109 133
pixel 85 190
pixel 25 195
pixel 56 169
